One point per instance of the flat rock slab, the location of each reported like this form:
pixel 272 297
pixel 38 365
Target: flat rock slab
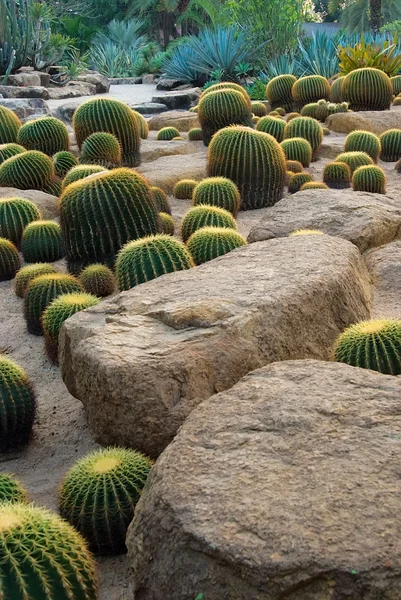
pixel 149 108
pixel 286 486
pixel 385 266
pixel 26 107
pixel 151 149
pixel 178 98
pixel 143 360
pixel 374 121
pixel 10 91
pixel 167 170
pixel 47 204
pixel 366 220
pixel 183 120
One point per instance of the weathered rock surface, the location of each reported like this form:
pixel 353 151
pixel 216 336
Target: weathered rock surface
pixel 385 266
pixel 125 80
pixel 10 91
pixel 100 82
pixel 285 486
pixel 182 120
pixel 374 121
pixel 26 107
pixel 167 170
pixel 178 98
pixel 31 79
pixel 168 84
pixel 149 108
pixel 66 111
pixel 366 220
pixel 47 204
pixel 73 89
pixel 152 150
pixel 142 361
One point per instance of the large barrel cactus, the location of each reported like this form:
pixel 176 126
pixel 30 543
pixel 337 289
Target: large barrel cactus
pixel 307 128
pixel 9 260
pixel 363 141
pixel 390 142
pixel 9 125
pixel 310 89
pixel 226 85
pixel 220 109
pixel 369 178
pixel 101 148
pixel 218 191
pixel 31 170
pixel 47 134
pixel 208 243
pixel 15 215
pixel 279 91
pixel 253 160
pixel 367 89
pixel 9 150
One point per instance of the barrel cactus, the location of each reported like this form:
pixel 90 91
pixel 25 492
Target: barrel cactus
pixel 297 149
pixel 167 223
pixel 369 178
pixel 218 191
pixel 367 89
pixel 297 180
pixel 166 134
pixel 272 126
pixel 279 91
pixel 11 490
pixel 110 116
pixel 397 101
pixel 98 280
pixel 9 150
pixel 195 134
pixel 29 272
pixel 205 216
pixel 354 159
pixel 63 161
pixel 160 199
pixel 292 115
pixel 396 84
pixel 220 109
pixel 374 344
pixel 309 110
pixel 294 166
pixel 80 172
pixel 226 85
pixel 322 110
pixel 258 109
pixel 337 175
pixel 9 125
pixel 310 89
pixel 15 215
pixel 41 291
pixel 148 258
pixel 281 111
pixel 42 241
pixel 100 214
pixel 43 557
pixel 17 406
pixel 390 142
pixel 31 170
pixel 47 134
pixel 363 141
pixel 253 160
pixel 314 185
pixel 184 189
pixel 307 128
pixel 210 242
pixel 143 125
pixel 9 260
pixel 101 148
pixel 336 90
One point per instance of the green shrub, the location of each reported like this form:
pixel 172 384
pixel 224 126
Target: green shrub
pixel 205 216
pixel 294 166
pixel 98 280
pixel 9 150
pixel 297 180
pixel 143 125
pixel 102 149
pixel 167 134
pixel 11 490
pixel 184 189
pixel 279 91
pixel 195 135
pixel 9 260
pixel 297 149
pixel 208 243
pixel 314 185
pixel 258 109
pixel 363 141
pixel 354 159
pixel 337 175
pixel 310 89
pixel 42 241
pixel 221 109
pixel 47 134
pixel 307 128
pixel 25 275
pixel 218 191
pixel 80 172
pixel 31 170
pixel 367 89
pixel 272 126
pixel 167 223
pixel 336 90
pixel 390 142
pixel 63 161
pixel 369 178
pixel 15 215
pixel 9 125
pixel 160 199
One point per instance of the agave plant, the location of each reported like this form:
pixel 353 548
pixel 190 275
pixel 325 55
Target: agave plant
pixel 317 56
pixel 112 61
pixel 125 34
pixel 283 64
pixel 179 64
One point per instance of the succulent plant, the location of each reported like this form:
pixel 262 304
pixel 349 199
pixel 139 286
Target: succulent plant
pixel 9 125
pixel 210 242
pixel 58 311
pixel 354 159
pixel 279 91
pixel 167 223
pixel 255 119
pixel 218 191
pixel 25 275
pixel 51 562
pixel 9 150
pixel 292 115
pixel 41 291
pixel 143 125
pixel 396 84
pixel 336 90
pixel 99 494
pixel 297 149
pixel 205 216
pixel 253 160
pixel 337 175
pixel 258 109
pixel 367 89
pixel 272 126
pixel 225 85
pixel 9 260
pixel 305 232
pixel 220 109
pixel 369 178
pixel 374 344
pixel 99 215
pixel 310 89
pixel 31 170
pixel 294 166
pixel 178 138
pixel 17 405
pixel 167 134
pixel 297 181
pixel 98 280
pixel 281 111
pixel 314 185
pixel 363 141
pixel 390 142
pixel 102 149
pixel 54 187
pixel 148 258
pixel 397 101
pixel 110 116
pixel 63 161
pixel 309 110
pixel 15 215
pixel 307 128
pixel 195 135
pixel 184 189
pixel 42 241
pixel 326 131
pixel 275 113
pixel 160 199
pixel 11 490
pixel 80 172
pixel 46 134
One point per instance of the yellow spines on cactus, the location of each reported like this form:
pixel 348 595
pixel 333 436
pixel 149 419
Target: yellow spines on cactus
pixel 314 185
pixel 307 128
pixel 337 175
pixel 369 178
pixel 12 490
pixel 278 91
pixel 354 159
pixel 208 243
pixel 166 134
pixel 297 149
pixel 310 89
pixel 9 125
pixel 25 275
pixel 220 109
pixel 32 170
pixel 272 126
pixel 9 150
pixel 9 260
pixel 258 109
pixel 226 85
pixel 46 134
pixel 367 89
pixel 217 191
pixel 390 142
pixel 15 215
pixel 143 125
pixel 98 280
pixel 80 172
pixel 297 181
pixel 184 188
pixel 363 141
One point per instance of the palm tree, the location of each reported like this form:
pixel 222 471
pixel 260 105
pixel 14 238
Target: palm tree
pixel 362 15
pixel 375 15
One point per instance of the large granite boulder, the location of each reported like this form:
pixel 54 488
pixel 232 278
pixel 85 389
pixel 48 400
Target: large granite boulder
pixel 367 220
pixel 374 121
pixel 26 107
pixel 385 266
pixel 285 486
pixel 183 120
pixel 10 91
pixel 47 204
pixel 167 170
pixel 178 98
pixel 100 82
pixel 143 360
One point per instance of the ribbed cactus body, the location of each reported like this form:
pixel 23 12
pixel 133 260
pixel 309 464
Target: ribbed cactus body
pixel 367 89
pixel 31 170
pixel 374 344
pixel 297 149
pixel 11 490
pixel 99 494
pixel 281 111
pixel 15 215
pixel 258 109
pixel 221 109
pixel 9 150
pixel 47 134
pixel 253 160
pixel 354 159
pixel 396 83
pixel 183 189
pixel 205 216
pixel 160 199
pixel 279 91
pixel 225 85
pixel 337 175
pixel 307 128
pixel 54 187
pixel 148 258
pixel 143 125
pixel 99 215
pixel 369 178
pixel 314 185
pixel 292 115
pixel 63 161
pixel 294 166
pixel 101 149
pixel 363 141
pixel 80 172
pixel 390 142
pixel 17 407
pixel 272 126
pixel 9 125
pixel 336 90
pixel 40 292
pixel 9 260
pixel 111 116
pixel 29 272
pixel 167 223
pixel 297 180
pixel 310 89
pixel 98 280
pixel 42 241
pixel 42 557
pixel 166 134
pixel 309 110
pixel 218 191
pixel 397 101
pixel 195 134
pixel 210 242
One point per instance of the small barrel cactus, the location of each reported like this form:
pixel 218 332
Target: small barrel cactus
pixel 99 494
pixel 326 131
pixel 80 172
pixel 98 280
pixel 17 405
pixel 143 125
pixel 297 180
pixel 354 159
pixel 9 125
pixel 15 215
pixel 272 126
pixel 148 258
pixel 322 110
pixel 210 242
pixel 307 128
pixel 31 170
pixel 367 89
pixel 390 142
pixel 184 189
pixel 336 90
pixel 297 149
pixel 102 149
pixel 279 91
pixel 47 134
pixel 29 272
pixel 314 185
pixel 9 150
pixel 51 562
pixel 258 109
pixel 63 161
pixel 337 175
pixel 310 89
pixel 218 191
pixel 309 110
pixel 41 291
pixel 178 138
pixel 396 83
pixel 363 141
pixel 369 178
pixel 292 115
pixel 255 119
pixel 294 166
pixel 42 241
pixel 160 199
pixel 58 311
pixel 167 134
pixel 195 135
pixel 225 85
pixel 397 101
pixel 9 260
pixel 11 490
pixel 374 344
pixel 205 216
pixel 167 223
pixel 281 111
pixel 220 109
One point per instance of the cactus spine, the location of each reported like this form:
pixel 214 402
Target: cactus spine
pixel 337 175
pixel 47 134
pixel 390 142
pixel 336 90
pixel 307 128
pixel 63 161
pixel 297 149
pixel 31 170
pixel 369 178
pixel 208 243
pixel 183 189
pixel 272 126
pixel 297 180
pixel 354 159
pixel 258 109
pixel 220 109
pixel 294 166
pixel 367 89
pixel 11 490
pixel 205 216
pixel 29 272
pixel 310 89
pixel 218 191
pixel 101 149
pixel 363 141
pixel 9 150
pixel 314 185
pixel 80 172
pixel 9 125
pixel 279 91
pixel 98 280
pixel 143 125
pixel 9 260
pixel 15 215
pixel 166 134
pixel 42 242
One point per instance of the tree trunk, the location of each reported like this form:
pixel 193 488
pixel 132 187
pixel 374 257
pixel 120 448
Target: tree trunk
pixel 375 15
